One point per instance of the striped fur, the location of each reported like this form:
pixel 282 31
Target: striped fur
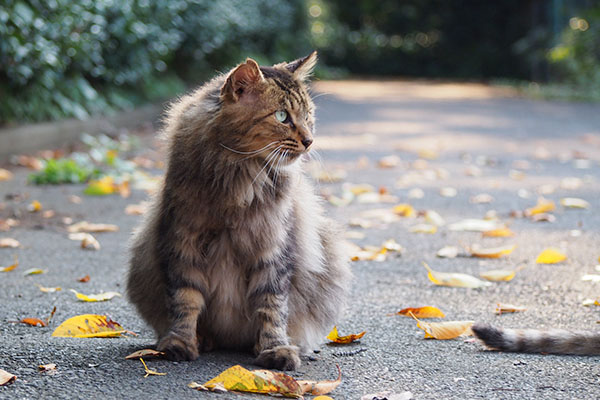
pixel 552 341
pixel 236 252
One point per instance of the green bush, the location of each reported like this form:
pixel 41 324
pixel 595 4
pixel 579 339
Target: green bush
pixel 63 58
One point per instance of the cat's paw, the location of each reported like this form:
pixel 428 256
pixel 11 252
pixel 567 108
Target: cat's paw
pixel 284 358
pixel 178 348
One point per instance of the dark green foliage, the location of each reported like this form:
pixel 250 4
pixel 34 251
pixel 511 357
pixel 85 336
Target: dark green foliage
pixel 79 57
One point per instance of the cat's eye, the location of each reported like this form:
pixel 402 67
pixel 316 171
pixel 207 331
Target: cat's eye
pixel 281 115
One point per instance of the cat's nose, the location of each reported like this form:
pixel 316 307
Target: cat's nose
pixel 306 142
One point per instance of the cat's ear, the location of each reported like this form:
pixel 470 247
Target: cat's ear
pixel 242 78
pixel 303 67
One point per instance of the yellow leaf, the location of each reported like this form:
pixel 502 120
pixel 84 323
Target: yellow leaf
pixel 150 371
pixel 6 377
pixel 404 210
pixel 33 271
pixel 242 380
pixel 11 267
pixel 550 256
pixel 361 188
pixel 574 202
pixel 89 325
pixel 422 312
pixel 500 232
pixel 423 228
pixel 85 226
pixel 508 308
pixel 9 242
pixel 144 353
pixel 542 206
pixel 590 302
pixel 336 338
pixel 495 252
pixel 95 297
pixel 35 206
pixel 454 279
pixel 498 275
pixel 319 388
pixel 101 187
pixel 445 330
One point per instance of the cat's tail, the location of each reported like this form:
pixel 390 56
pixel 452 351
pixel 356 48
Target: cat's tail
pixel 553 341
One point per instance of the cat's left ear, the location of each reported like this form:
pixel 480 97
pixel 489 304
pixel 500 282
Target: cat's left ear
pixel 303 67
pixel 241 79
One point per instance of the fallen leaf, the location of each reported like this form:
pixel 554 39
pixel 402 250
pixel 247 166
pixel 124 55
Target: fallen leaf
pixel 334 336
pixel 49 289
pixel 95 297
pixel 46 367
pixel 11 267
pixel 9 243
pixel 144 353
pixel 422 312
pixel 89 325
pixel 571 183
pixel 5 175
pixel 454 279
pixel 88 241
pixel 500 232
pixel 550 256
pixel 445 330
pixel 75 199
pixel 137 209
pixel 151 371
pixel 318 388
pixel 498 275
pixel 448 192
pixel 447 252
pixel 240 379
pixel 85 226
pixel 416 193
pixel 33 321
pixel 34 206
pixel 482 198
pixel 387 395
pixel 542 206
pixel 84 279
pixel 573 202
pixel 6 377
pixel 404 210
pixel 543 217
pixel 389 161
pixel 590 302
pixel 508 308
pixel 100 187
pixel 595 278
pixel 475 225
pixel 6 224
pixel 423 228
pixel 33 271
pixel 391 245
pixel 495 252
pixel 434 218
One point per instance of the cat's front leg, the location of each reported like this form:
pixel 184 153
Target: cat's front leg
pixel 185 304
pixel 270 300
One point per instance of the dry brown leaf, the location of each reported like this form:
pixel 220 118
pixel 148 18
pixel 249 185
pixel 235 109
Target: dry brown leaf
pixel 5 175
pixel 151 371
pixel 84 279
pixel 33 322
pixel 508 308
pixel 85 226
pixel 6 377
pixel 422 312
pixel 454 279
pixel 46 367
pixel 501 232
pixel 445 330
pixel 9 243
pixel 145 353
pixel 389 161
pixel 137 209
pixel 317 388
pixel 495 252
pixel 336 338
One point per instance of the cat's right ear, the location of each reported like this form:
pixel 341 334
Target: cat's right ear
pixel 241 80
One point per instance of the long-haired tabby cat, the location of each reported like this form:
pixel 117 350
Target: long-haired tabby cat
pixel 552 341
pixel 236 252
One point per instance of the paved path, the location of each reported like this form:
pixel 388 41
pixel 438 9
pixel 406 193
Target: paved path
pixel 466 137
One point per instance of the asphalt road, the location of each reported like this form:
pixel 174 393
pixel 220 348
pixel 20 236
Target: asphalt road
pixel 465 137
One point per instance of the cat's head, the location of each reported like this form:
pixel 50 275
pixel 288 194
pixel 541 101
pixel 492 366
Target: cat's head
pixel 268 110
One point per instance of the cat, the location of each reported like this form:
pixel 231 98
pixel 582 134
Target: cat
pixel 236 252
pixel 553 341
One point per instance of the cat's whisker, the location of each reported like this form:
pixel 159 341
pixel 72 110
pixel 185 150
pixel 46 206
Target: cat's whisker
pixel 277 169
pixel 269 158
pixel 248 152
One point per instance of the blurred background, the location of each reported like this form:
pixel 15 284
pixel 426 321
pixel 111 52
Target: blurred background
pixel 76 58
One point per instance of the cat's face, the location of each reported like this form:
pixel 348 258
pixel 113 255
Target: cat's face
pixel 269 110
